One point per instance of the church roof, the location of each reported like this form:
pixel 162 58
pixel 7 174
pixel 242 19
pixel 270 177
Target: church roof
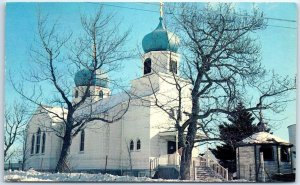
pixel 57 114
pixel 102 106
pixel 263 138
pixel 160 39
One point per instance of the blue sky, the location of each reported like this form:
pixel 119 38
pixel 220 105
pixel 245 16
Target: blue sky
pixel 278 44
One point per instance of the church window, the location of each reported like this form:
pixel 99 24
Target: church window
pixel 101 94
pixel 172 113
pixel 138 144
pixel 88 93
pixel 76 94
pixel 131 145
pixel 147 66
pixel 38 141
pixel 43 142
pixel 82 135
pixel 267 153
pixel 32 143
pixel 173 66
pixel 284 154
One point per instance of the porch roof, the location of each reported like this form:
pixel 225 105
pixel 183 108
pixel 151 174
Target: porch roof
pixel 170 133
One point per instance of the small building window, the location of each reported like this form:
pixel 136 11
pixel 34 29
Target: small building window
pixel 131 145
pixel 138 144
pixel 32 144
pixel 101 94
pixel 267 153
pixel 76 94
pixel 284 154
pixel 82 135
pixel 147 66
pixel 38 141
pixel 173 66
pixel 43 142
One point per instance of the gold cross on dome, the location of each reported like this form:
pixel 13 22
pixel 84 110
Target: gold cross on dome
pixel 161 8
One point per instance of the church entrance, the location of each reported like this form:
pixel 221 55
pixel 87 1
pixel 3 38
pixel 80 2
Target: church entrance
pixel 171 147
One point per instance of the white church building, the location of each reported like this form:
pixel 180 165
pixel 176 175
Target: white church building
pixel 137 143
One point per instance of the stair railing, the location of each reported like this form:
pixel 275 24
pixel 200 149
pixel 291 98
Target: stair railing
pixel 154 163
pixel 214 165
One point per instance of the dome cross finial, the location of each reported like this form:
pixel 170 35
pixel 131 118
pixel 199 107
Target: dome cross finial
pixel 161 8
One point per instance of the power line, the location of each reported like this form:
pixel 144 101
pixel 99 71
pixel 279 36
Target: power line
pixel 269 18
pixel 281 26
pixel 154 11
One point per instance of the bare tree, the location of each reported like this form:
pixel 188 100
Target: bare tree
pixel 15 120
pixel 221 62
pixel 99 48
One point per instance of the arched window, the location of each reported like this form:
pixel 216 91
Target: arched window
pixel 88 93
pixel 43 142
pixel 82 135
pixel 147 66
pixel 101 94
pixel 267 153
pixel 131 145
pixel 171 113
pixel 138 144
pixel 76 93
pixel 32 144
pixel 38 141
pixel 173 66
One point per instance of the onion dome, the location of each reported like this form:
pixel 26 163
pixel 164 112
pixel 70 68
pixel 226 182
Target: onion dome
pixel 160 40
pixel 82 78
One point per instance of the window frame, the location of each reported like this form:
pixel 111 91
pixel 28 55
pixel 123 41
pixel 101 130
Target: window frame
pixel 101 94
pixel 131 145
pixel 266 153
pixel 32 144
pixel 43 142
pixel 82 141
pixel 173 66
pixel 88 93
pixel 287 155
pixel 38 141
pixel 138 145
pixel 147 66
pixel 76 93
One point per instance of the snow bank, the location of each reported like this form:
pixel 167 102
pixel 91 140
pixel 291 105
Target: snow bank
pixel 31 176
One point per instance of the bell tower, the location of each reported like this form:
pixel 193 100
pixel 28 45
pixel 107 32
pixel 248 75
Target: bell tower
pixel 98 86
pixel 160 47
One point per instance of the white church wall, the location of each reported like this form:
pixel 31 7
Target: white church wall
pixel 136 126
pixel 48 159
pixel 87 159
pixel 140 87
pixel 111 140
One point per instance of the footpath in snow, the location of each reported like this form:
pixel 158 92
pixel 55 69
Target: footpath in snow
pixel 31 176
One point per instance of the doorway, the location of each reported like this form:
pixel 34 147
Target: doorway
pixel 171 147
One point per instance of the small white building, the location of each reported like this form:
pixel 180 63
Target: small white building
pixel 145 136
pixel 261 156
pixel 292 139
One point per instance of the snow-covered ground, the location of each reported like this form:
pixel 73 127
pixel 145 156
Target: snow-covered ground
pixel 31 175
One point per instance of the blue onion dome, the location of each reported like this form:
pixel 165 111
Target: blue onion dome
pixel 160 40
pixel 83 76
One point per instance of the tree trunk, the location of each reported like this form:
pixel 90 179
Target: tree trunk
pixel 185 163
pixel 189 143
pixel 62 165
